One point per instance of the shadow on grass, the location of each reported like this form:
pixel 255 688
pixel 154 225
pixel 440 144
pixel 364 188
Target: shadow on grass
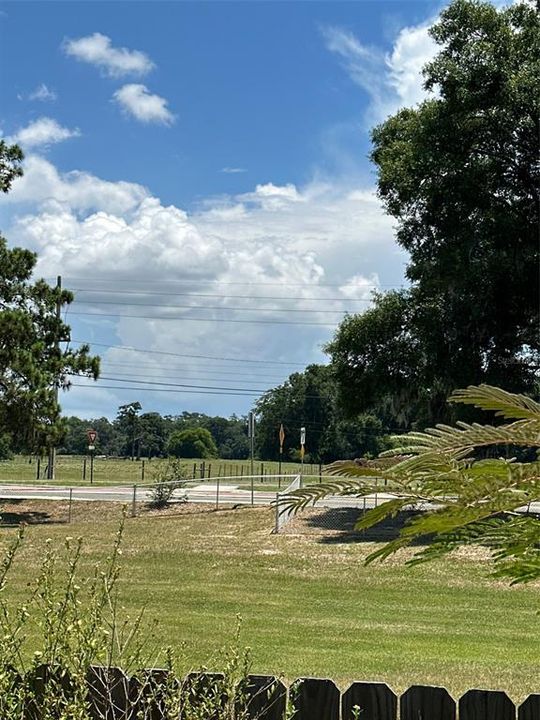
pixel 12 518
pixel 343 521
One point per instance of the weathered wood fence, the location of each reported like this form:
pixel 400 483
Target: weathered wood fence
pixel 115 696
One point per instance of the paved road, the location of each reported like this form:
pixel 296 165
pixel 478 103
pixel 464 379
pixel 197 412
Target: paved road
pixel 122 493
pixel 200 494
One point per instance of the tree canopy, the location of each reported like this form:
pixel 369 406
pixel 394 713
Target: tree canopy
pixel 308 399
pixel 460 175
pixel 32 363
pixel 193 442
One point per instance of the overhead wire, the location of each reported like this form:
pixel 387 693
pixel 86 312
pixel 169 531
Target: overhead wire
pixel 168 384
pixel 115 291
pixel 170 390
pixel 209 307
pixel 202 319
pixel 129 348
pixel 204 281
pixel 144 378
pixel 160 369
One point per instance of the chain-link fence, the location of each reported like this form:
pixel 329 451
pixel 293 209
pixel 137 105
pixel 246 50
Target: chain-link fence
pixel 62 503
pixel 220 492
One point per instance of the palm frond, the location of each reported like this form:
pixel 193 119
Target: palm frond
pixel 375 515
pixel 348 468
pixel 505 404
pixel 465 436
pixel 299 499
pixel 430 461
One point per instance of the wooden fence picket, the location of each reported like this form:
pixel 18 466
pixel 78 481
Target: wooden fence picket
pixel 266 697
pixel 45 679
pixel 530 709
pixel 427 703
pixel 374 701
pixel 315 699
pixel 486 705
pixel 149 694
pixel 111 694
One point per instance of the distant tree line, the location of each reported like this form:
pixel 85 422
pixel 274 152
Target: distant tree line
pixel 136 434
pixel 306 399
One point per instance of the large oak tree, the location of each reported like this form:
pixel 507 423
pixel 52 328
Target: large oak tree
pixel 460 174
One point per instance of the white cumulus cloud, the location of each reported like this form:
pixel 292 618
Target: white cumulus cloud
pixel 81 192
pixel 137 101
pixel 391 79
pixel 98 50
pixel 278 255
pixel 42 132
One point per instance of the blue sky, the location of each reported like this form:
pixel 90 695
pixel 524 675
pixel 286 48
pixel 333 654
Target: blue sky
pixel 210 157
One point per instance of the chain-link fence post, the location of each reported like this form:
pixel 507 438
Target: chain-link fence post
pixel 217 494
pixel 134 502
pixel 70 503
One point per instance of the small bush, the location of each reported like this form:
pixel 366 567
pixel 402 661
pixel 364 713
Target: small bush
pixel 168 478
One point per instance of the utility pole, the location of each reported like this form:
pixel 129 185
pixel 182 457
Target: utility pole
pixel 251 435
pixel 302 453
pixel 52 449
pixel 281 441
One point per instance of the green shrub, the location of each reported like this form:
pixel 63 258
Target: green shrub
pixel 192 443
pixel 169 477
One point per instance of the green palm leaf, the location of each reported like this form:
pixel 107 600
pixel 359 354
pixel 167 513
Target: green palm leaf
pixel 505 404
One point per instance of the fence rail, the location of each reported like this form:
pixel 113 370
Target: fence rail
pixel 113 695
pixel 107 469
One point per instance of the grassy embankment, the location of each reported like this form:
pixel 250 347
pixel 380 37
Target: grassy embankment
pixel 309 607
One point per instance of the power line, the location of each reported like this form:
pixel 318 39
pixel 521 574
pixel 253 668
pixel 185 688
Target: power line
pixel 128 348
pixel 186 385
pixel 163 372
pixel 160 369
pixel 202 281
pixel 248 391
pixel 107 291
pixel 257 391
pixel 201 319
pixel 167 390
pixel 210 307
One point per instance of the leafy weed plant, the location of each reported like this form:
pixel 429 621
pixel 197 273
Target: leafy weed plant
pixel 85 637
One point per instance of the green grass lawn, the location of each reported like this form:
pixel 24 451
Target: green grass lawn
pixel 309 607
pixel 119 471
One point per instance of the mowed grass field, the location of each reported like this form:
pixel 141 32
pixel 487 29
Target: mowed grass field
pixel 308 603
pixel 122 471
